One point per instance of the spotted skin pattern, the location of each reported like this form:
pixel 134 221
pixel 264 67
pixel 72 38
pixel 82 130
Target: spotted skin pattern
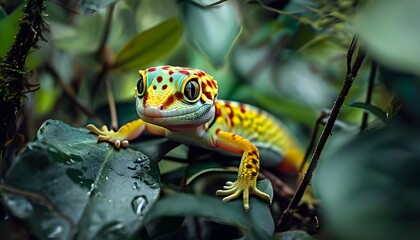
pixel 181 104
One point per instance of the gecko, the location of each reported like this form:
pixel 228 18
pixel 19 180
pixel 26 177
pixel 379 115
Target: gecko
pixel 181 104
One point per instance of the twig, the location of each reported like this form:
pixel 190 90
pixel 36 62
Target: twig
pixel 311 145
pixel 103 75
pixel 71 94
pixel 284 221
pixel 372 76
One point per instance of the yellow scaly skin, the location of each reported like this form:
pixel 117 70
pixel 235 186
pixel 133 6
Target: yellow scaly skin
pixel 181 104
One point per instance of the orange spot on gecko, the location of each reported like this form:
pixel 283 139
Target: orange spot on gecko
pixel 164 86
pixel 242 107
pixel 159 79
pixel 171 72
pixel 168 101
pixel 218 130
pixel 184 72
pixel 178 96
pixel 171 79
pixel 152 69
pixel 154 87
pixel 165 67
pixel 233 137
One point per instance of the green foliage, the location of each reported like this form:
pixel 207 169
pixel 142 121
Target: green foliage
pixel 286 57
pixel 202 26
pixel 377 112
pixel 142 50
pixel 394 48
pixel 369 186
pixel 90 187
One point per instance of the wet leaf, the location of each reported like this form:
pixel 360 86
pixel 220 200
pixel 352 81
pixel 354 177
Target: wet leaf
pixel 377 112
pixel 72 183
pixel 149 46
pixel 369 186
pixel 204 31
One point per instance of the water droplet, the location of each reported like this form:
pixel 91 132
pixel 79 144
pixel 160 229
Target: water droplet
pixel 93 187
pixel 21 207
pixel 56 232
pixel 136 185
pixel 106 178
pixel 138 204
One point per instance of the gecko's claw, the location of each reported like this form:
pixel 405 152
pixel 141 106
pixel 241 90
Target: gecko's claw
pixel 233 190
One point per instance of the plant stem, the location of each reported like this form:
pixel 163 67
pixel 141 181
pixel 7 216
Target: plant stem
pixel 372 76
pixel 350 76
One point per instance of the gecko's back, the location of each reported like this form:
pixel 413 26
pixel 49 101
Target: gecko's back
pixel 270 136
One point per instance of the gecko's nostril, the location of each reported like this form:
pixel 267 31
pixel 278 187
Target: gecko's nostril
pixel 161 107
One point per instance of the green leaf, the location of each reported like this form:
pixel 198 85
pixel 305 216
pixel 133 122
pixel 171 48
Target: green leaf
pixel 86 187
pixel 390 31
pixel 369 186
pixel 230 213
pixel 294 235
pixel 8 29
pixel 377 112
pixel 81 39
pixel 212 30
pixel 149 46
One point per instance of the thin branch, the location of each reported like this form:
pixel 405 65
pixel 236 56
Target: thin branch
pixel 372 76
pixel 68 90
pixel 284 221
pixel 103 75
pixel 311 145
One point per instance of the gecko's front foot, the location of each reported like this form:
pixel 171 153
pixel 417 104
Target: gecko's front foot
pixel 105 135
pixel 243 186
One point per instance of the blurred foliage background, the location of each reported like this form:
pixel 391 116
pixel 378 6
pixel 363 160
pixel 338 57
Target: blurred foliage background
pixel 288 57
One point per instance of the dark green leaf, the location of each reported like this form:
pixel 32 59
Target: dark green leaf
pixel 212 30
pixel 149 46
pixel 3 14
pixel 231 213
pixel 369 186
pixel 377 112
pixel 101 192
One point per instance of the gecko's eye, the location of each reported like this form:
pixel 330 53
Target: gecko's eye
pixel 141 86
pixel 192 90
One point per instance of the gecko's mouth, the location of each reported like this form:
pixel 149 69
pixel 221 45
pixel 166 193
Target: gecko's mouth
pixel 193 116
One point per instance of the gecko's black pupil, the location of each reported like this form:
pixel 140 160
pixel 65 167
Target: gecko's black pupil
pixel 192 90
pixel 140 86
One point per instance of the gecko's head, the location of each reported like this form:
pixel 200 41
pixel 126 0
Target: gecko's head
pixel 175 97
